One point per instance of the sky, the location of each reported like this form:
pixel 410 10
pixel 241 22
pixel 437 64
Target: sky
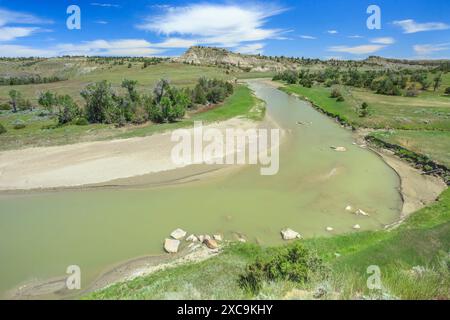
pixel 325 29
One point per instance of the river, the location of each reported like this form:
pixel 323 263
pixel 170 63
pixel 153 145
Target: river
pixel 43 233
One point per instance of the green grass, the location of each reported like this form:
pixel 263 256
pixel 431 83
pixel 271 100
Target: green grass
pixel 428 111
pixel 41 131
pixel 422 240
pixel 434 144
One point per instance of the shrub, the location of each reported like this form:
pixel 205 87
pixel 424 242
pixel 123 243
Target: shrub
pixel 5 106
pixel 340 99
pixel 2 129
pixel 67 109
pixel 447 91
pixel 81 122
pixel 335 93
pixel 293 263
pixel 364 111
pixel 19 124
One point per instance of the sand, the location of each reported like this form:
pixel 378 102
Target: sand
pixel 93 162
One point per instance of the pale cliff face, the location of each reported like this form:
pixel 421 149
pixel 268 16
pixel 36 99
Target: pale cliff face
pixel 216 56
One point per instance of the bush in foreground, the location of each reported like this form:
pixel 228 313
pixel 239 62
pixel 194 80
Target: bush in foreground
pixel 293 263
pixel 2 129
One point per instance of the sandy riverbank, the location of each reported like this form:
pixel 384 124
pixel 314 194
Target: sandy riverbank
pixel 94 163
pixel 417 190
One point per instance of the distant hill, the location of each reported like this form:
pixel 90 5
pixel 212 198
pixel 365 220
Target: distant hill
pixel 211 56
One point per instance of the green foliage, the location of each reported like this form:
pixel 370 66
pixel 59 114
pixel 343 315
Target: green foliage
pixel 47 100
pixel 5 106
pixel 294 263
pixel 335 93
pixel 168 104
pixel 67 109
pixel 81 122
pixel 100 103
pixel 2 129
pixel 364 110
pixel 447 91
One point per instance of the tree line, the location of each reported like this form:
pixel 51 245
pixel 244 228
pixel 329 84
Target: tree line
pixel 387 82
pixel 35 79
pixel 103 104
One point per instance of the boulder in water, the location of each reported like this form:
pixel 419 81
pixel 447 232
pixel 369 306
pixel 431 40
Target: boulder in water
pixel 171 245
pixel 178 234
pixel 289 234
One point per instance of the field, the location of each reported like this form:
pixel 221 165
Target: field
pixel 435 144
pixel 43 131
pixel 425 112
pixel 410 259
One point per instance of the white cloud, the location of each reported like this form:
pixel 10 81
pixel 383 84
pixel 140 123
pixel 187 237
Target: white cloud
pixel 106 5
pixel 427 49
pixel 226 25
pixel 356 36
pixel 8 20
pixel 101 22
pixel 308 37
pixel 123 47
pixel 363 49
pixel 253 48
pixel 410 26
pixel 383 40
pixel 14 17
pixel 178 43
pixel 11 33
pixel 332 32
pixel 7 50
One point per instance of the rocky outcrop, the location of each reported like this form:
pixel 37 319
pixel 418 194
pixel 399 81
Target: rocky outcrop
pixel 210 56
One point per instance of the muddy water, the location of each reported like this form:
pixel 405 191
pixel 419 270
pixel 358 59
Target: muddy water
pixel 42 233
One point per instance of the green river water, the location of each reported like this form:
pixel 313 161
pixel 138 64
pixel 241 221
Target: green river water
pixel 42 233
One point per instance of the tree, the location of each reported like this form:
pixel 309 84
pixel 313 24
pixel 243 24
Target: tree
pixel 15 97
pixel 47 100
pixel 168 103
pixel 67 109
pixel 364 111
pixel 130 85
pixel 100 104
pixel 437 82
pixel 198 95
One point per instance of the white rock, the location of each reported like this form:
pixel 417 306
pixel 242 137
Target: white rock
pixel 356 227
pixel 201 238
pixel 289 234
pixel 217 237
pixel 330 229
pixel 178 234
pixel 339 149
pixel 171 245
pixel 192 238
pixel 349 208
pixel 362 213
pixel 242 240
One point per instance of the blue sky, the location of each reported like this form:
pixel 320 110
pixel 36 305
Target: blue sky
pixel 310 28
